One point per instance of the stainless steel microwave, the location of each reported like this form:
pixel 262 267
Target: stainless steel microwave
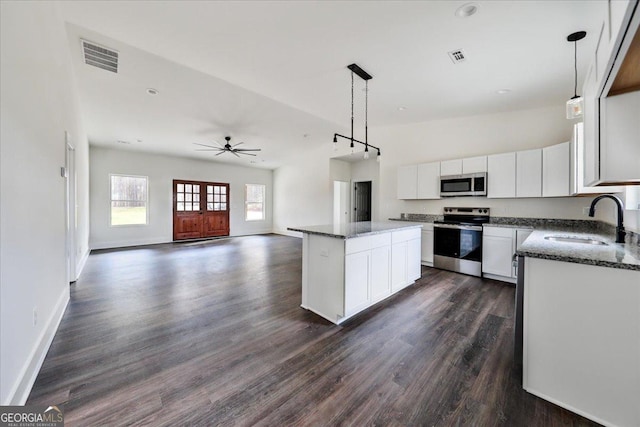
pixel 469 184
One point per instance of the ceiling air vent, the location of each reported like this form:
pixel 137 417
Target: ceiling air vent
pixel 99 56
pixel 457 56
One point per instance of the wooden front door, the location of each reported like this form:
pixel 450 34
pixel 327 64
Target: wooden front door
pixel 200 209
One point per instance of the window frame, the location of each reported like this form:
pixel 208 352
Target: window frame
pixel 146 202
pixel 264 202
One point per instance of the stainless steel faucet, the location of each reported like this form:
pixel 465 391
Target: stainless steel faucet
pixel 620 233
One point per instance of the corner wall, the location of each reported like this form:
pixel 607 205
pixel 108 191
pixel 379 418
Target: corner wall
pixel 162 170
pixel 39 102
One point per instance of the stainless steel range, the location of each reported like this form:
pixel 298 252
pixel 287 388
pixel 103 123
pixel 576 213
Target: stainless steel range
pixel 458 240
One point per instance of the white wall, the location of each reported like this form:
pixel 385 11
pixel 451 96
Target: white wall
pixel 162 170
pixel 303 191
pixel 39 102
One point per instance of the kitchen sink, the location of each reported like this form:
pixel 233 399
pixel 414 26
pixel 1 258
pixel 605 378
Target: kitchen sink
pixel 568 239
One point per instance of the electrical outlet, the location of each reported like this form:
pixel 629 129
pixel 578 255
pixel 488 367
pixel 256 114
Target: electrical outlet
pixel 35 316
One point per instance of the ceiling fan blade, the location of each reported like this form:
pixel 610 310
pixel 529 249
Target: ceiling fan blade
pixel 235 145
pixel 242 152
pixel 209 149
pixel 204 145
pixel 234 153
pixel 221 151
pixel 248 149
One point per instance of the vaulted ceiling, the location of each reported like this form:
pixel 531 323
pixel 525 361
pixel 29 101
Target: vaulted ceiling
pixel 272 73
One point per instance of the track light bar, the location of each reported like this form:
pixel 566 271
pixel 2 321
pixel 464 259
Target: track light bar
pixel 336 135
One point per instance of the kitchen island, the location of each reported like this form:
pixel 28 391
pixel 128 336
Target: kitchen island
pixel 347 268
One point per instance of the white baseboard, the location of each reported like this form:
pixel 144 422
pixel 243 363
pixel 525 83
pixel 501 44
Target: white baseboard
pixel 22 388
pixel 129 243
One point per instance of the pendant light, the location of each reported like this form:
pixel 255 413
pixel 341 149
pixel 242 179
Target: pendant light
pixel 355 69
pixel 575 104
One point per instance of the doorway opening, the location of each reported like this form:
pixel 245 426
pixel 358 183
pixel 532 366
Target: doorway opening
pixel 200 209
pixel 362 201
pixel 70 207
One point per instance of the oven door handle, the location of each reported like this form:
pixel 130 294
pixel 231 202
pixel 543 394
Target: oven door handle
pixel 459 227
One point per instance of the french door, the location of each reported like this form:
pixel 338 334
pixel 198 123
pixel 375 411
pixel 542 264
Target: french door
pixel 200 209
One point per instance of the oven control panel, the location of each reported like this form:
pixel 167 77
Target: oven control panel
pixel 467 211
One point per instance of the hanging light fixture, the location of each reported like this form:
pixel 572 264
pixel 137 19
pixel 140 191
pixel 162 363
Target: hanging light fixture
pixel 355 69
pixel 575 104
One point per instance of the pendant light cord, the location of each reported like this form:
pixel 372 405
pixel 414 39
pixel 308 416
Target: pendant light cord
pixel 575 69
pixel 366 114
pixel 351 109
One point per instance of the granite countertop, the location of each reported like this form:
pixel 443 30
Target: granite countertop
pixel 614 255
pixel 353 229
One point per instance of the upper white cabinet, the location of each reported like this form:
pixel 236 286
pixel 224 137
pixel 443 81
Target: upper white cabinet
pixel 529 173
pixel 429 181
pixel 611 103
pixel 474 164
pixel 451 167
pixel 556 170
pixel 620 138
pixel 501 175
pixel 408 182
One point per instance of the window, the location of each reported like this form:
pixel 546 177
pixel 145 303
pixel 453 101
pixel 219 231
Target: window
pixel 128 200
pixel 254 202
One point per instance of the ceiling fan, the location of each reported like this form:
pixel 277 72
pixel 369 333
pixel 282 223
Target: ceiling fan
pixel 228 148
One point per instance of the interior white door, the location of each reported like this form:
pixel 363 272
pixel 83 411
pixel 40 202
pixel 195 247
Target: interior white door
pixel 340 202
pixel 70 207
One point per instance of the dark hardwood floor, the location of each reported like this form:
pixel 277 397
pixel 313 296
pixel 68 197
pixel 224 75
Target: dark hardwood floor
pixel 211 333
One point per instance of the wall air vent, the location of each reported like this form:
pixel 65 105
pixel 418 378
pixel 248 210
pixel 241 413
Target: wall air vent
pixel 457 56
pixel 99 56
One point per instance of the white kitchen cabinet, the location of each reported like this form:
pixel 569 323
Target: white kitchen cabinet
pixel 611 143
pixel 451 167
pixel 497 250
pixel 499 245
pixel 428 181
pixel 380 273
pixel 581 344
pixel 474 164
pixel 427 245
pixel 407 182
pixel 405 258
pixel 529 173
pixel 620 138
pixel 357 275
pixel 556 170
pixel 501 175
pixel 414 269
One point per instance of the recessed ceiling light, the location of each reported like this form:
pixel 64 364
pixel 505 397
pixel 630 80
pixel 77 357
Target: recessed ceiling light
pixel 503 91
pixel 139 140
pixel 402 108
pixel 152 91
pixel 466 10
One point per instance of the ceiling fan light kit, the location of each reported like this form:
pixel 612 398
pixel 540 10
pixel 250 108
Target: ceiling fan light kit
pixel 356 69
pixel 575 104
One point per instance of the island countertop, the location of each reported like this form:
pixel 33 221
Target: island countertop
pixel 354 229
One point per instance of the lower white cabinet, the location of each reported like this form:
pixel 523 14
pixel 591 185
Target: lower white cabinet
pixel 581 339
pixel 499 245
pixel 427 245
pixel 380 269
pixel 357 275
pixel 497 250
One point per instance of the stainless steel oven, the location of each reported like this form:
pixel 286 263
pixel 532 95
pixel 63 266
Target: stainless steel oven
pixel 458 240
